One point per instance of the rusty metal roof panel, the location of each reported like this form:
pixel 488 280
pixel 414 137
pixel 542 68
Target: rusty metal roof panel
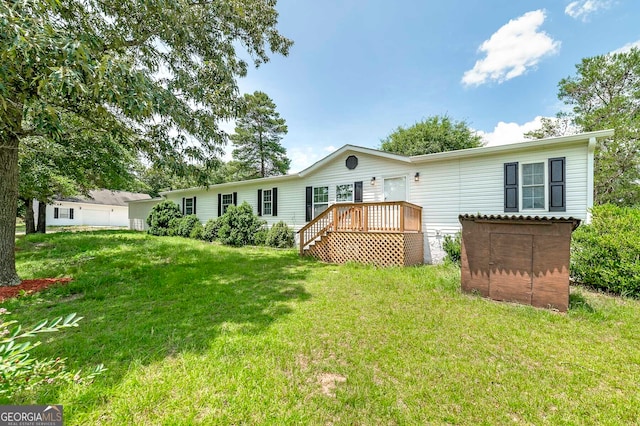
pixel 519 218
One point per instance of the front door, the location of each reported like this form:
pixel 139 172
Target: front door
pixel 395 189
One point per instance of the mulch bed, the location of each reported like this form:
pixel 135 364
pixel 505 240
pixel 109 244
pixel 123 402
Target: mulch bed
pixel 30 286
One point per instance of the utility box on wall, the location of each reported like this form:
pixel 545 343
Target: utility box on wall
pixel 520 259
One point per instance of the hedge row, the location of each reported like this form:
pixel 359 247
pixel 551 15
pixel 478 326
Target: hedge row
pixel 238 226
pixel 606 253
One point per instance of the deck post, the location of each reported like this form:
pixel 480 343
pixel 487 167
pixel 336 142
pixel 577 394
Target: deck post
pixel 401 217
pixel 365 218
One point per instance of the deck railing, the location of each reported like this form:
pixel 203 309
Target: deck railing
pixel 391 216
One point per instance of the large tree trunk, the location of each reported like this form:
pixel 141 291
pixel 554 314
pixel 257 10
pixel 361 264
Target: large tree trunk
pixel 42 218
pixel 8 205
pixel 29 221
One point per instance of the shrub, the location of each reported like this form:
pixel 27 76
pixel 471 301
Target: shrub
pixel 280 236
pixel 19 370
pixel 452 246
pixel 174 224
pixel 606 253
pixel 239 225
pixel 210 232
pixel 183 226
pixel 260 237
pixel 197 232
pixel 160 216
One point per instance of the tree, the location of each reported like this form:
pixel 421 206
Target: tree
pixel 434 134
pixel 604 94
pixel 87 160
pixel 257 138
pixel 156 76
pixel 553 127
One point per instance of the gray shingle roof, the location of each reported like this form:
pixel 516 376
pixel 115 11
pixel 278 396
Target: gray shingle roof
pixel 107 197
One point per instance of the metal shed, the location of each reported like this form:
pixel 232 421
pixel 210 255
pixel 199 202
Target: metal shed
pixel 520 259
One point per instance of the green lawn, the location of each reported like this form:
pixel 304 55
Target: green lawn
pixel 193 332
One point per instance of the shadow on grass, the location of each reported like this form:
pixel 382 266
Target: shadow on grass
pixel 578 303
pixel 146 298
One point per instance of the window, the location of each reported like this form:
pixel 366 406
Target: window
pixel 227 200
pixel 529 185
pixel 344 193
pixel 188 206
pixel 267 202
pixel 320 199
pixel 62 213
pixel 533 196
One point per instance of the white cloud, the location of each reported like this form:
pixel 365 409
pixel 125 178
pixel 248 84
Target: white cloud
pixel 511 50
pixel 505 133
pixel 583 8
pixel 301 158
pixel 627 47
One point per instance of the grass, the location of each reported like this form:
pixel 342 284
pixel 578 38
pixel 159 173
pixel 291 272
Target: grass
pixel 193 332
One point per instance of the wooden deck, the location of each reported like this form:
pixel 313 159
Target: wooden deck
pixel 385 234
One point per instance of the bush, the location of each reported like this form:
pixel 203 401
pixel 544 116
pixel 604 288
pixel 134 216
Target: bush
pixel 280 236
pixel 183 226
pixel 197 231
pixel 452 246
pixel 160 216
pixel 606 253
pixel 174 224
pixel 210 232
pixel 239 225
pixel 19 370
pixel 260 237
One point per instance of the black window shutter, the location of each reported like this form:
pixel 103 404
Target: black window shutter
pixel 259 202
pixel 357 189
pixel 274 202
pixel 235 198
pixel 557 185
pixel 219 205
pixel 56 212
pixel 309 203
pixel 183 211
pixel 194 205
pixel 70 213
pixel 511 187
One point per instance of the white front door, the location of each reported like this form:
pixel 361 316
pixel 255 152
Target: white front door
pixel 395 189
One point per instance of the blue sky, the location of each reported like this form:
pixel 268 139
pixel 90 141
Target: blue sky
pixel 359 69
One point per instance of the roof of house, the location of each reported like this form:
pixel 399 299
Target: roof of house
pixel 107 197
pixel 426 158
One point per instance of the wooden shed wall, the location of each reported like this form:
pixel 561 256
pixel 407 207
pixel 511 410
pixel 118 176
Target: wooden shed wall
pixel 525 262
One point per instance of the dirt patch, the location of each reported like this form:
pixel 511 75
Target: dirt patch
pixel 30 286
pixel 329 382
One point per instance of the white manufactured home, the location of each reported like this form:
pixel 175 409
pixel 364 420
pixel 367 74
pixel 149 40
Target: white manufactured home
pixel 101 207
pixel 357 195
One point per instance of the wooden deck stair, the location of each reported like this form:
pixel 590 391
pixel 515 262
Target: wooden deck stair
pixel 386 233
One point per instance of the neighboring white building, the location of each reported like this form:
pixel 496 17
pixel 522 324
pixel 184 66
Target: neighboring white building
pixel 101 208
pixel 139 211
pixel 547 177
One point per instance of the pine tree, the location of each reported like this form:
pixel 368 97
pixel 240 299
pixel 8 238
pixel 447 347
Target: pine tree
pixel 257 138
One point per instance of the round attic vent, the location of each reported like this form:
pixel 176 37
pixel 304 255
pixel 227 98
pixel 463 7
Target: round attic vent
pixel 352 162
